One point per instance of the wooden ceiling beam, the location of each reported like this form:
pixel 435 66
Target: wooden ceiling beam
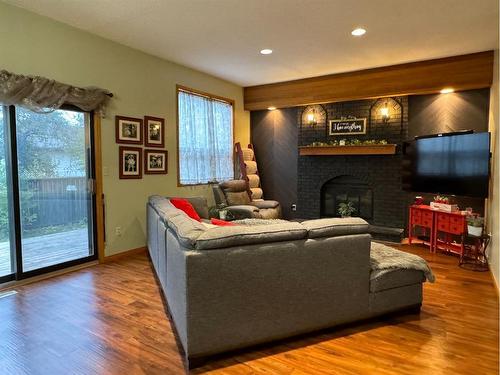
pixel 463 72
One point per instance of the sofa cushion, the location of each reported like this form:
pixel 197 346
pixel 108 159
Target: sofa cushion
pixel 221 237
pixel 394 278
pixel 186 229
pixel 200 205
pixel 163 207
pixel 185 206
pixel 237 198
pixel 233 185
pixel 333 227
pixel 265 204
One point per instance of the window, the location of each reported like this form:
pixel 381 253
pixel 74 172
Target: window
pixel 205 137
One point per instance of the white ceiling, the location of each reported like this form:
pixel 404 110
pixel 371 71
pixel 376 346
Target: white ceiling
pixel 309 37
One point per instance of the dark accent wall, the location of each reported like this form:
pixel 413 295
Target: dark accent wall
pixel 274 135
pixel 291 179
pixel 433 114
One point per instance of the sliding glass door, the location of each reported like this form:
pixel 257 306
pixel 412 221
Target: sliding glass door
pixel 52 200
pixel 7 260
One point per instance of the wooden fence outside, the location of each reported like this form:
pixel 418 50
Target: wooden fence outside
pixel 54 201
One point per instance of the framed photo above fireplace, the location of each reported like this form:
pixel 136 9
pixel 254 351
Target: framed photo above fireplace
pixel 154 132
pixel 128 130
pixel 350 126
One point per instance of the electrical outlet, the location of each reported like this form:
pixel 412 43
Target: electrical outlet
pixel 105 171
pixel 294 207
pixel 118 231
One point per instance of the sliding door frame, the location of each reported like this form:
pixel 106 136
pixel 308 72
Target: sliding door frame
pixel 96 198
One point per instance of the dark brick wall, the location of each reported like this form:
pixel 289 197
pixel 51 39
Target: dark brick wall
pixel 381 172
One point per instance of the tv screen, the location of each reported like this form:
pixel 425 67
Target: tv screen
pixel 455 164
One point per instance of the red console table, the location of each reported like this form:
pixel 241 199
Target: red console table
pixel 421 216
pixel 444 228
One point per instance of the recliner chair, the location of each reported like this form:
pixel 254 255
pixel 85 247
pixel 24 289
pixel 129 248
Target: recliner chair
pixel 234 194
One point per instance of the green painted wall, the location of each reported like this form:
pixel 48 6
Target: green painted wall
pixel 142 84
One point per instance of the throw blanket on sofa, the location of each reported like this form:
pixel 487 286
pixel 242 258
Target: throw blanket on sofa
pixel 251 222
pixel 383 257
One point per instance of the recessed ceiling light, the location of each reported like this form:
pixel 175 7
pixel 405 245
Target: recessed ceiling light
pixel 446 90
pixel 358 32
pixel 271 108
pixel 266 51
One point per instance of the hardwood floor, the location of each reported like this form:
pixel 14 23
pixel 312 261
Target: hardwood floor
pixel 109 319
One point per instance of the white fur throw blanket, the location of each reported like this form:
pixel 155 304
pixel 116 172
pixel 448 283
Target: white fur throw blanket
pixel 251 222
pixel 383 257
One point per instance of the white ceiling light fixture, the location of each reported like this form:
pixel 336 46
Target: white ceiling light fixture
pixel 271 108
pixel 266 51
pixel 358 31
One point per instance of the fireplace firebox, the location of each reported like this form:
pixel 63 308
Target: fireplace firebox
pixel 344 189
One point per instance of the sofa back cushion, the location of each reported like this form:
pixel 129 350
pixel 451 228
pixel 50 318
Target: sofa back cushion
pixel 239 235
pixel 333 227
pixel 237 198
pixel 185 206
pixel 187 230
pixel 163 207
pixel 235 192
pixel 200 205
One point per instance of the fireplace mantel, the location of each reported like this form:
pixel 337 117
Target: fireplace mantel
pixel 388 149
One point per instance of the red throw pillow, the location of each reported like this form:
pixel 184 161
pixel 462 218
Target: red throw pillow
pixel 184 205
pixel 222 223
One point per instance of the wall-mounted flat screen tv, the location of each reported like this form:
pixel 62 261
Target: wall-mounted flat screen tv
pixel 456 164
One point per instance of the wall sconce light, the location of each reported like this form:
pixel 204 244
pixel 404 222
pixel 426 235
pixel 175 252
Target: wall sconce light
pixel 384 111
pixel 311 118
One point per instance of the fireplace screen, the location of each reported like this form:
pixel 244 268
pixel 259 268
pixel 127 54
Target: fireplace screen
pixel 343 189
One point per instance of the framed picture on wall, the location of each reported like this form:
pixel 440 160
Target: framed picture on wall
pixel 155 162
pixel 130 162
pixel 154 131
pixel 128 130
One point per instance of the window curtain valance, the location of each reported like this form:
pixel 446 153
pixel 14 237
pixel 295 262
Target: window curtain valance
pixel 45 95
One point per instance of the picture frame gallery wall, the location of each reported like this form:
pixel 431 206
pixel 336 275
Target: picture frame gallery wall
pixel 150 132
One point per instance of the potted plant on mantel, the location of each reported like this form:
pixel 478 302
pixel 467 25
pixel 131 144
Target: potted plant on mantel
pixel 346 209
pixel 475 225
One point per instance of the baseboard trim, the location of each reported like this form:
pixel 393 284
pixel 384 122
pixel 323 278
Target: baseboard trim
pixel 123 254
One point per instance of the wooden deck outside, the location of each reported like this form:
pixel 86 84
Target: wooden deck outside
pixel 47 250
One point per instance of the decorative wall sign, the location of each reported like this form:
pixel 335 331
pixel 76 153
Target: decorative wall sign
pixel 155 162
pixel 130 162
pixel 347 126
pixel 154 131
pixel 128 130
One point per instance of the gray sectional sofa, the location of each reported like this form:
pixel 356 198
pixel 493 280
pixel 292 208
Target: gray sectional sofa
pixel 233 287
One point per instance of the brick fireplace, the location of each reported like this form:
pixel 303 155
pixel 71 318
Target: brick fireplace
pixel 371 182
